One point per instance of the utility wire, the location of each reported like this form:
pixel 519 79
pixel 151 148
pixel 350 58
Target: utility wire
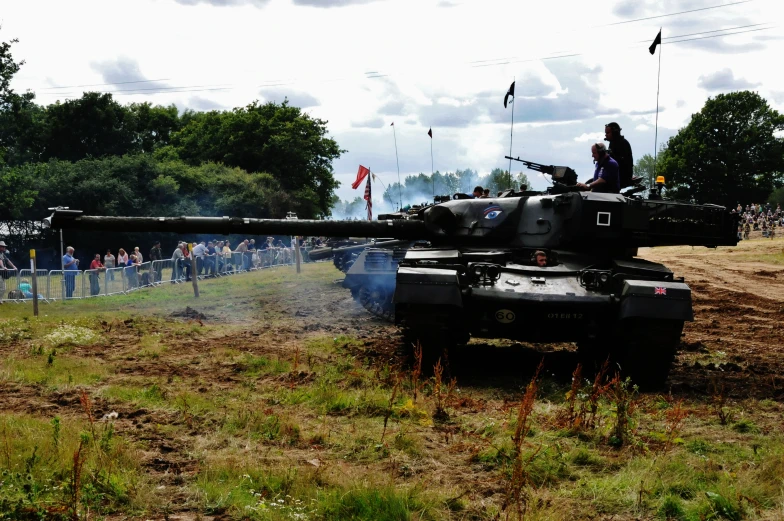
pixel 376 74
pixel 675 14
pixel 635 20
pixel 704 32
pixel 718 35
pixel 542 58
pixel 224 87
pixel 102 84
pixel 122 93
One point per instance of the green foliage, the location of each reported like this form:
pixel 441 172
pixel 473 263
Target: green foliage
pixel 378 504
pixel 94 125
pixel 275 138
pixel 777 196
pixel 260 160
pixel 671 508
pixel 644 167
pixel 723 508
pixel 728 153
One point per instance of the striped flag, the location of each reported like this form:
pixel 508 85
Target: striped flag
pixel 369 200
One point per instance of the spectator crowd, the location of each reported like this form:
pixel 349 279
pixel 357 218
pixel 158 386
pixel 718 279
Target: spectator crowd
pixel 756 217
pixel 212 258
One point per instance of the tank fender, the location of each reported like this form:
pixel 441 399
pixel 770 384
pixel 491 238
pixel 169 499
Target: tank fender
pixel 427 286
pixel 656 300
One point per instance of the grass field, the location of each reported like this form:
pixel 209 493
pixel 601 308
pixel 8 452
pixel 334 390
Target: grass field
pixel 273 396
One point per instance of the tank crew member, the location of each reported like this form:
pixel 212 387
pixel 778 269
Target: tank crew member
pixel 477 193
pixel 541 258
pixel 621 151
pixel 605 177
pixel 485 193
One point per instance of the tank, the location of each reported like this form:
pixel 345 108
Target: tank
pixel 373 289
pixel 480 277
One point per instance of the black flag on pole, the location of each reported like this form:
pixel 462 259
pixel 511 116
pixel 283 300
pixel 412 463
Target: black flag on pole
pixel 510 92
pixel 430 132
pixel 656 42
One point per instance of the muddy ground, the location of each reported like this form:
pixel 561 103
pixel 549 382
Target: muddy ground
pixel 734 342
pixel 736 337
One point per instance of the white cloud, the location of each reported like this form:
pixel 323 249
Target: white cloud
pixel 447 65
pixel 724 80
pixel 593 137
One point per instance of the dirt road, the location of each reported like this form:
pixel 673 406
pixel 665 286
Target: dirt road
pixel 736 338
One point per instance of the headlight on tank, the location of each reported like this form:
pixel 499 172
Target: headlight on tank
pixel 595 279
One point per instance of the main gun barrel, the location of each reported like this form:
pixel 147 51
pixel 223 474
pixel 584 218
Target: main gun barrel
pixel 395 228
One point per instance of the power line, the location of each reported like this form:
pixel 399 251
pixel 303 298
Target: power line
pixel 510 59
pixel 675 14
pixel 718 35
pixel 224 87
pixel 124 93
pixel 376 74
pixel 705 32
pixel 102 84
pixel 571 55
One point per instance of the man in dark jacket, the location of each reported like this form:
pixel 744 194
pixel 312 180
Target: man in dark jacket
pixel 156 255
pixel 621 151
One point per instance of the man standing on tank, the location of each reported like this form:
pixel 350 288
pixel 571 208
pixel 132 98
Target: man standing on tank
pixel 605 177
pixel 621 151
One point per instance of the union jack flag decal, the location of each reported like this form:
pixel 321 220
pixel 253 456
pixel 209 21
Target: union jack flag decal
pixel 660 291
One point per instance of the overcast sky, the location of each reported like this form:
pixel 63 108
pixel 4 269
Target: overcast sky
pixel 362 64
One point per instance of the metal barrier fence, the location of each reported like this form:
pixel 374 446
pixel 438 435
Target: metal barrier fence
pixel 16 285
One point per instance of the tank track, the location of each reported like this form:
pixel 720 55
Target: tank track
pixel 377 302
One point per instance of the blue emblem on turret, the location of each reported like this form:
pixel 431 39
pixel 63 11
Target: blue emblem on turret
pixel 493 211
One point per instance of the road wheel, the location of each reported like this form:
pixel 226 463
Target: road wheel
pixel 642 349
pixel 645 350
pixel 434 347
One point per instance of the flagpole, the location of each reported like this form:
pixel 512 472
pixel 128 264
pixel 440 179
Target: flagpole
pixel 399 186
pixel 511 133
pixel 432 170
pixel 656 133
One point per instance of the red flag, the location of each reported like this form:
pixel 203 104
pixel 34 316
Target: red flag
pixel 369 200
pixel 361 174
pixel 430 133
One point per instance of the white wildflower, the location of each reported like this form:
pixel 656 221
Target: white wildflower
pixel 70 335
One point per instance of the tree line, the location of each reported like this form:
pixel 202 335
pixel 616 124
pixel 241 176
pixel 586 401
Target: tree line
pixel 730 152
pixel 266 159
pixel 107 158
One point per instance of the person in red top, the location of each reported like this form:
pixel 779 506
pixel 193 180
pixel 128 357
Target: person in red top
pixel 186 262
pixel 95 268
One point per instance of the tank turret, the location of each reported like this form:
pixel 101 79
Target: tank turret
pixel 577 221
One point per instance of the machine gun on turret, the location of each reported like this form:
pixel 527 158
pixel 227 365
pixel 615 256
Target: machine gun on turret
pixel 559 174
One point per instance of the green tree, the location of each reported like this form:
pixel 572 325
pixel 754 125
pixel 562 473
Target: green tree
pixel 349 209
pixel 777 196
pixel 273 138
pixel 728 153
pixel 94 125
pixel 522 179
pixel 18 197
pixel 154 125
pixel 8 68
pixel 644 167
pixel 18 113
